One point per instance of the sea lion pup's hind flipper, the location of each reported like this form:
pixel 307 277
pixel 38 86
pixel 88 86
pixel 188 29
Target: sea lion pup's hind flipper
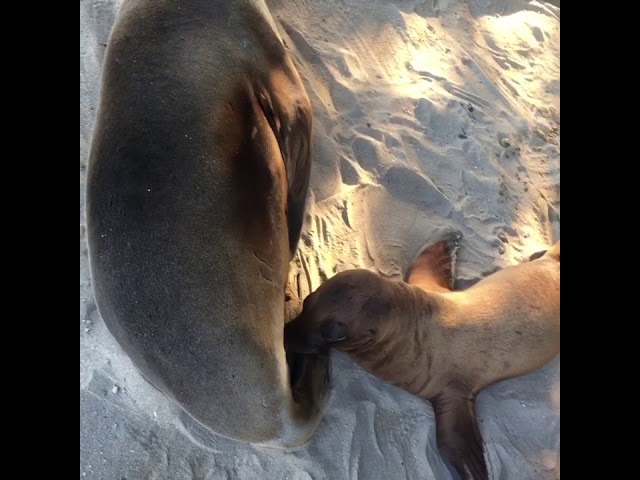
pixel 537 255
pixel 433 269
pixel 553 252
pixel 458 436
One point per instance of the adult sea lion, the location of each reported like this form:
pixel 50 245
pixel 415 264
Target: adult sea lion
pixel 441 345
pixel 197 178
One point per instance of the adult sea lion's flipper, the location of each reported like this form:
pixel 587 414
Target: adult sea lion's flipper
pixel 433 269
pixel 298 163
pixel 458 436
pixel 291 120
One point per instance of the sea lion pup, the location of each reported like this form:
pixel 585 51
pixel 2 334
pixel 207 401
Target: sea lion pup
pixel 197 179
pixel 441 345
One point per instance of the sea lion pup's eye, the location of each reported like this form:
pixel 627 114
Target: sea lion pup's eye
pixel 334 331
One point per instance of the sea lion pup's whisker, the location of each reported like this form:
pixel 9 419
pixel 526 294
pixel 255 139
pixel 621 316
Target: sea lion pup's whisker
pixel 361 345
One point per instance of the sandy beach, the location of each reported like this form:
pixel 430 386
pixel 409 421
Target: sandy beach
pixel 428 115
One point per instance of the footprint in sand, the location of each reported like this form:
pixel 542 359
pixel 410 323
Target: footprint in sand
pixel 411 187
pixel 367 152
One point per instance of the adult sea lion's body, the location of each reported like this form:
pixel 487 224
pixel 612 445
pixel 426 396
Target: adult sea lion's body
pixel 197 179
pixel 441 345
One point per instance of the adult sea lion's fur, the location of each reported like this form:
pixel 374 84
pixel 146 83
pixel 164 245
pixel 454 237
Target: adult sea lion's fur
pixel 197 179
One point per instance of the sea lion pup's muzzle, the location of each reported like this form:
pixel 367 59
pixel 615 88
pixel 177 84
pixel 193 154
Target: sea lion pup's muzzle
pixel 297 340
pixel 301 337
pixel 347 310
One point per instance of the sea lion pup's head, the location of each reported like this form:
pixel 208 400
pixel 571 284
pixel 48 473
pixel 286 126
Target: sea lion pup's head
pixel 348 311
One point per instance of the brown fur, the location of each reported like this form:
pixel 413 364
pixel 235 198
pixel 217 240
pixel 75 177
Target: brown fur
pixel 197 181
pixel 441 345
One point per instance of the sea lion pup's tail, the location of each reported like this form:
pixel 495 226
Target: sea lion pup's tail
pixel 458 436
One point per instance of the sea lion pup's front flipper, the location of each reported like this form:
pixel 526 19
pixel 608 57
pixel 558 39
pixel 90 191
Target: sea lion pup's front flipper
pixel 433 269
pixel 458 436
